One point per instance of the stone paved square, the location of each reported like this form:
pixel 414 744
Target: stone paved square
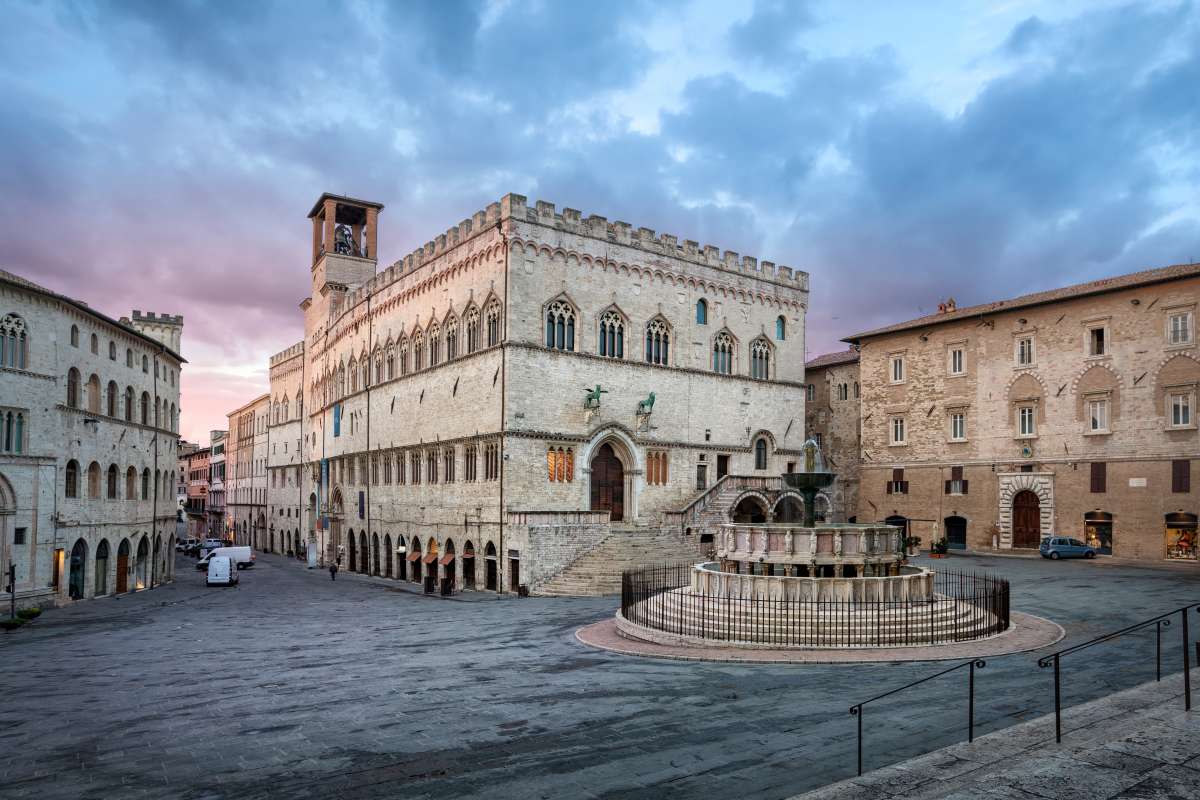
pixel 293 686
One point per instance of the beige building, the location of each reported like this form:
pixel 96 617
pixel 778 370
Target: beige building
pixel 493 405
pixel 246 450
pixel 832 418
pixel 1070 411
pixel 89 421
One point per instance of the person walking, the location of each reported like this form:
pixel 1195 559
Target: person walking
pixel 333 571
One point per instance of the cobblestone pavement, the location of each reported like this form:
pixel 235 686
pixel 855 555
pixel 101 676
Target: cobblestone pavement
pixel 293 686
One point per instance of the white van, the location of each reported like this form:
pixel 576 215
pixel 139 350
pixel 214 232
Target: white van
pixel 242 556
pixel 221 572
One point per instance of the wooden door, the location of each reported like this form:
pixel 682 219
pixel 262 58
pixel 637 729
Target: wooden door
pixel 608 483
pixel 122 573
pixel 1027 520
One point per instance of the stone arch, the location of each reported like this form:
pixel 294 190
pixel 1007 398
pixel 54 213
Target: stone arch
pixel 1013 484
pixel 1093 380
pixel 750 507
pixel 754 495
pixel 1178 370
pixel 620 440
pixel 788 507
pixel 1026 386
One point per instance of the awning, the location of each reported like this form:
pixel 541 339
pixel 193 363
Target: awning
pixel 429 559
pixel 446 559
pixel 413 556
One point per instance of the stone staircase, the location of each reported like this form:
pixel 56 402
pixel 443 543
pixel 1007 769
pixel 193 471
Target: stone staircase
pixel 709 509
pixel 598 571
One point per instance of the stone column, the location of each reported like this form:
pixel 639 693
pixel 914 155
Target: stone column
pixel 372 233
pixel 330 222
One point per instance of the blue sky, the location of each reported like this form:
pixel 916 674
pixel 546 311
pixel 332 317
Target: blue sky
pixel 163 155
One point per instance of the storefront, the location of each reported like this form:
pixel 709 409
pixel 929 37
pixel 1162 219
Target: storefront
pixel 1097 529
pixel 1181 537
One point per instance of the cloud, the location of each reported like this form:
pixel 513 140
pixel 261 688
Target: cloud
pixel 770 32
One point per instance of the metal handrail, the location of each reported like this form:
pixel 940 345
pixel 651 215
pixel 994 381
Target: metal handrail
pixel 856 709
pixel 1159 622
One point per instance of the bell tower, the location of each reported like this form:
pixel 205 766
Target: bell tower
pixel 344 238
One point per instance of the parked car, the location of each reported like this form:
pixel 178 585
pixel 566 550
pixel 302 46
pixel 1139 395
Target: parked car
pixel 221 572
pixel 243 557
pixel 1057 547
pixel 187 545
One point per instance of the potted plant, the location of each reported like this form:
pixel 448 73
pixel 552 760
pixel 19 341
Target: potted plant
pixel 11 623
pixel 938 549
pixel 912 544
pixel 29 613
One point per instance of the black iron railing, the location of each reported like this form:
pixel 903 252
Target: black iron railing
pixel 1159 622
pixel 856 710
pixel 964 606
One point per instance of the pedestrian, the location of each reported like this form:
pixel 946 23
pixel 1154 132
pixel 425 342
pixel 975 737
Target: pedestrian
pixel 333 571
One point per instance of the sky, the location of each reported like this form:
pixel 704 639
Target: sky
pixel 164 155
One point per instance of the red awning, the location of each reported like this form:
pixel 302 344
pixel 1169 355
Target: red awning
pixel 413 556
pixel 429 559
pixel 446 559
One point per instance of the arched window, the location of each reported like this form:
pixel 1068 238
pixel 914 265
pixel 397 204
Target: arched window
pixel 560 464
pixel 73 388
pixel 612 335
pixel 129 404
pixel 145 408
pixel 111 400
pixel 128 357
pixel 451 338
pixel 493 323
pixel 435 345
pixel 760 360
pixel 364 368
pixel 390 361
pixel 353 370
pixel 379 364
pixel 856 390
pixel 780 328
pixel 471 323
pixel 112 351
pixel 95 345
pixel 418 348
pixel 12 435
pixel 760 454
pixel 146 365
pixel 658 342
pixel 146 483
pixel 171 424
pixel 159 410
pixel 71 485
pixel 131 484
pixel 13 344
pixel 299 405
pixel 702 312
pixel 93 394
pixel 723 353
pixel 111 483
pixel 341 381
pixel 284 411
pixel 74 336
pixel 402 355
pixel 560 326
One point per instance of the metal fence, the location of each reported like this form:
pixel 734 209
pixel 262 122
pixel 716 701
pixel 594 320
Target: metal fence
pixel 965 606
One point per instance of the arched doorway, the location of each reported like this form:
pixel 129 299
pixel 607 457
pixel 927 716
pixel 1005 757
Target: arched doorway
pixel 490 575
pixel 364 555
pixel 468 565
pixel 789 509
pixel 123 567
pixel 401 559
pixel 156 572
pixel 75 588
pixel 387 555
pixel 414 559
pixel 608 483
pixel 375 553
pixel 749 509
pixel 353 542
pixel 430 561
pixel 1098 531
pixel 102 568
pixel 1026 520
pixel 142 565
pixel 901 523
pixel 448 567
pixel 956 532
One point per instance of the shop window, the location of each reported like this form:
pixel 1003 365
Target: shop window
pixel 1097 531
pixel 1181 536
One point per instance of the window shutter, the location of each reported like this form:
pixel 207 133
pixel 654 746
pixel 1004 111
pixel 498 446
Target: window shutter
pixel 956 473
pixel 898 474
pixel 964 487
pixel 889 487
pixel 1099 474
pixel 948 486
pixel 904 487
pixel 1181 475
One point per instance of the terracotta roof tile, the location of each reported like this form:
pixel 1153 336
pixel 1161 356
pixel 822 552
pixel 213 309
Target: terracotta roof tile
pixel 1132 280
pixel 831 359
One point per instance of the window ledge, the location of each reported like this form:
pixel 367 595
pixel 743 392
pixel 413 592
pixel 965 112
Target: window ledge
pixel 1179 346
pixel 1106 432
pixel 957 441
pixel 1025 437
pixel 897 444
pixel 956 374
pixel 1103 357
pixel 1180 428
pixel 1025 366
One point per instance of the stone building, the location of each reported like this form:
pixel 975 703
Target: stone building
pixel 246 474
pixel 285 496
pixel 525 386
pixel 197 474
pixel 89 419
pixel 832 418
pixel 216 486
pixel 1069 411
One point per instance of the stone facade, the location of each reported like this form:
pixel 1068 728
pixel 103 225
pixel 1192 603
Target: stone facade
pixel 246 474
pixel 285 430
pixel 216 486
pixel 430 404
pixel 89 413
pixel 832 417
pixel 1069 412
pixel 197 476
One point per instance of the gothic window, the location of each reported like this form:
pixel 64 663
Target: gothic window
pixel 702 312
pixel 353 370
pixel 95 345
pixel 284 411
pixel 129 404
pixel 723 353
pixel 448 465
pixel 780 328
pixel 131 484
pixel 560 464
pixel 146 483
pixel 451 339
pixel 414 463
pixel 93 394
pixel 146 364
pixel 387 470
pixel 658 342
pixel 364 369
pixel 418 348
pixel 435 341
pixel 13 342
pixel 379 365
pixel 129 358
pixel 374 471
pixel 760 360
pixel 110 399
pixel 171 420
pixel 74 336
pixel 341 381
pixel 493 323
pixel 431 467
pixel 760 454
pixel 112 351
pixel 72 482
pixel 560 326
pixel 73 388
pixel 470 456
pixel 391 361
pixel 656 467
pixel 491 461
pixel 299 405
pixel 612 335
pixel 471 323
pixel 111 484
pixel 145 409
pixel 12 437
pixel 401 476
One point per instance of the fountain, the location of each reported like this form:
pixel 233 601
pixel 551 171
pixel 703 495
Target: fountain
pixel 812 480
